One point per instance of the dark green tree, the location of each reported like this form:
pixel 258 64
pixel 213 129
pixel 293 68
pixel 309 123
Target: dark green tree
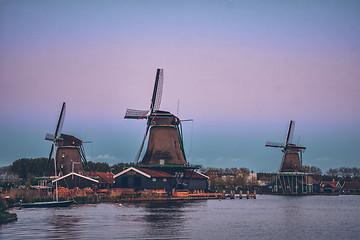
pixel 98 166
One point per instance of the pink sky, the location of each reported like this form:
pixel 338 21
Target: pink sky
pixel 234 62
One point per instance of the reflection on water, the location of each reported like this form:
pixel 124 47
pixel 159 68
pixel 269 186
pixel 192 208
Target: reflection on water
pixel 267 217
pixel 165 219
pixel 65 227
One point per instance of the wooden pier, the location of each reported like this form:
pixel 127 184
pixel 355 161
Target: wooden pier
pixel 242 195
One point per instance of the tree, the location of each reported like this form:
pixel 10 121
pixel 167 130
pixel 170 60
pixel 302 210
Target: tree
pixel 313 170
pixel 333 172
pixel 119 167
pixel 99 166
pixel 26 168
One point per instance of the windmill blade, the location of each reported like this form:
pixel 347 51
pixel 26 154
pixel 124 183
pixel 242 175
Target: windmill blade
pixel 135 114
pixel 51 151
pixel 60 121
pixel 273 144
pixel 157 92
pixel 290 133
pixel 298 148
pixel 142 144
pixel 49 137
pixel 47 164
pixel 187 120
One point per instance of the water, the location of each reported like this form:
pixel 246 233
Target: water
pixel 267 217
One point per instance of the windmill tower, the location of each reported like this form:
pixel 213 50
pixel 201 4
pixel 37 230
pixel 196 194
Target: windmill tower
pixel 291 178
pixel 165 144
pixel 69 155
pixel 165 151
pixel 291 160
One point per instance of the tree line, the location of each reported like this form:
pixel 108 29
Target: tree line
pixel 29 168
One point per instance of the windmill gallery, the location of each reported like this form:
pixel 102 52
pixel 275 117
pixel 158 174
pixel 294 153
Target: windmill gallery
pixel 160 172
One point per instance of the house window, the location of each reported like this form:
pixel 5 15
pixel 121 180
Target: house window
pixel 154 179
pixel 162 161
pixel 164 179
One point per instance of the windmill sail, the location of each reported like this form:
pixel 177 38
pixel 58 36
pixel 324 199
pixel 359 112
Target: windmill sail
pixel 154 106
pixel 50 137
pixel 274 144
pixel 157 92
pixel 142 144
pixel 135 114
pixel 57 133
pixel 59 125
pixel 290 133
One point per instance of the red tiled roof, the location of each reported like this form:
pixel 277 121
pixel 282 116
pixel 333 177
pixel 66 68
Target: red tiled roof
pixel 155 173
pixel 194 175
pixel 351 185
pixel 333 184
pixel 104 177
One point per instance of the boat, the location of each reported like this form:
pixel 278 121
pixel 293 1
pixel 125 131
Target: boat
pixel 52 204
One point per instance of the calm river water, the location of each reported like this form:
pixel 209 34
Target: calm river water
pixel 267 217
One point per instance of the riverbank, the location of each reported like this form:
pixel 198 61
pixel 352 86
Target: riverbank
pixel 6 217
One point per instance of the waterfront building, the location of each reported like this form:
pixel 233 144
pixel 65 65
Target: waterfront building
pixel 152 179
pixel 351 187
pixel 73 180
pixel 330 186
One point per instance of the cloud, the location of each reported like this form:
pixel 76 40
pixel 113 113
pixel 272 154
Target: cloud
pixel 104 158
pixel 322 159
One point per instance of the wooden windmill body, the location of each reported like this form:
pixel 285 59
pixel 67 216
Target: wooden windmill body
pixel 291 161
pixel 165 146
pixel 69 155
pixel 165 152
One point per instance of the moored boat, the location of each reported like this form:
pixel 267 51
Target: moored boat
pixel 54 204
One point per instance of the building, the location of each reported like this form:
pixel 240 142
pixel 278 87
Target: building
pixel 330 186
pixel 351 187
pixel 73 180
pixel 153 179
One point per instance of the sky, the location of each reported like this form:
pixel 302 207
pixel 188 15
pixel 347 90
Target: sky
pixel 241 69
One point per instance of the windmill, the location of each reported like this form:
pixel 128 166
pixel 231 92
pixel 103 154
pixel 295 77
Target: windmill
pixel 291 161
pixel 70 154
pixel 165 144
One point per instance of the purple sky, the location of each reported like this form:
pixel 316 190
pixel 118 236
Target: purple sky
pixel 241 69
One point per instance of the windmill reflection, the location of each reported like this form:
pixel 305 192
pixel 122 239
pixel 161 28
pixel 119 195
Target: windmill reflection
pixel 166 219
pixel 66 227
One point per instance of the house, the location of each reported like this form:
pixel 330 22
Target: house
pixel 151 179
pixel 330 186
pixel 351 187
pixel 73 180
